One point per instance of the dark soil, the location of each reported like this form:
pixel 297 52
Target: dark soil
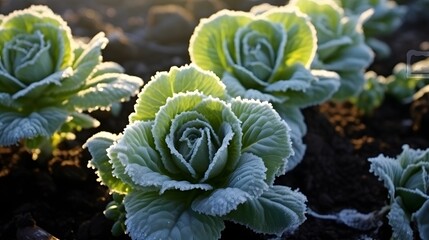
pixel 64 198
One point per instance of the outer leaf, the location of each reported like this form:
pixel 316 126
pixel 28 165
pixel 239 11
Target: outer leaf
pixel 114 87
pixel 388 170
pixel 88 58
pixel 152 216
pixel 18 126
pixel 421 217
pixel 411 156
pixel 399 221
pixel 278 210
pixel 78 121
pixel 36 89
pixel 165 84
pixel 106 67
pixel 295 120
pixel 97 146
pixel 236 89
pixel 351 84
pixel 265 134
pixel 322 88
pixel 246 182
pixel 146 177
pixel 211 36
pixel 301 45
pixel 136 146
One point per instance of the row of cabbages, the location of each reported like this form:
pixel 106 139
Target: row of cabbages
pixel 207 140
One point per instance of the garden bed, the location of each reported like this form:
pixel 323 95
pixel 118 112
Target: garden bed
pixel 65 199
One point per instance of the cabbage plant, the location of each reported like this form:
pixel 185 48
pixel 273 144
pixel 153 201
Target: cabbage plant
pixel 191 158
pixel 341 44
pixel 387 16
pixel 265 55
pixel 407 181
pixel 373 93
pixel 408 81
pixel 48 78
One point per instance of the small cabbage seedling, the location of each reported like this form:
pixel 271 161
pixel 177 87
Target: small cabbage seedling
pixel 406 178
pixel 191 158
pixel 387 16
pixel 265 55
pixel 341 44
pixel 373 93
pixel 408 81
pixel 47 78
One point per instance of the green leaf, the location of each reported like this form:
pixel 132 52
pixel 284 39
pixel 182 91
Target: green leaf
pixel 236 89
pixel 113 87
pixel 246 182
pixel 220 201
pixel 399 221
pixel 388 170
pixel 146 177
pixel 250 175
pixel 79 121
pixel 136 146
pixel 412 199
pixel 295 120
pixel 42 123
pixel 41 87
pixel 421 217
pixel 83 65
pixel 323 86
pixel 411 156
pixel 9 83
pixel 106 67
pixel 7 101
pixel 301 42
pixel 151 216
pixel 362 57
pixel 265 134
pixel 97 146
pixel 212 36
pixel 352 83
pixel 276 211
pixel 165 84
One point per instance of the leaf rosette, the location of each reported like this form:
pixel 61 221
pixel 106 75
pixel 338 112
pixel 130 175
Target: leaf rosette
pixel 341 44
pixel 47 78
pixel 189 159
pixel 407 181
pixel 386 17
pixel 266 56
